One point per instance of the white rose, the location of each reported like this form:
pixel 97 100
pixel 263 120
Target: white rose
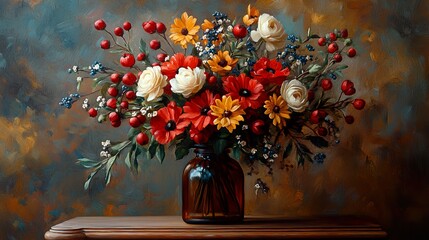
pixel 295 94
pixel 188 82
pixel 271 30
pixel 151 83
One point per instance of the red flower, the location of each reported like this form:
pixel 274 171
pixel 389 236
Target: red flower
pixel 200 137
pixel 198 111
pixel 167 124
pixel 247 90
pixel 269 71
pixel 177 61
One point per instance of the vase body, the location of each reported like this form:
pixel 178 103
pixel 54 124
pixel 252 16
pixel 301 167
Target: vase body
pixel 212 188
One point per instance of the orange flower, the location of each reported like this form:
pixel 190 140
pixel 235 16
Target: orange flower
pixel 222 63
pixel 184 30
pixel 207 25
pixel 252 16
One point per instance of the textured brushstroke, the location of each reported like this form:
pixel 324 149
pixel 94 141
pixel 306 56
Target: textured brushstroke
pixel 379 169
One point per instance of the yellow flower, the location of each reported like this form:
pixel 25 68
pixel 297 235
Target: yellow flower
pixel 228 113
pixel 252 16
pixel 277 109
pixel 222 63
pixel 184 30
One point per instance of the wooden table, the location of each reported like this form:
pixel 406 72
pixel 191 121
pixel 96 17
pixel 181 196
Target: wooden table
pixel 172 227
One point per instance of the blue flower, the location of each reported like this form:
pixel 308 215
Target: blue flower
pixel 319 158
pixel 68 101
pixel 96 67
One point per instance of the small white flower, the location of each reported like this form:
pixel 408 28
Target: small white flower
pixel 238 137
pixel 219 22
pixel 101 104
pixel 253 150
pixel 265 156
pixel 75 68
pixel 143 111
pixel 268 146
pixel 308 58
pixel 211 55
pixel 298 62
pixel 229 29
pixel 89 67
pixel 85 105
pixel 97 67
pixel 220 29
pixel 257 186
pixel 204 36
pixel 99 98
pixel 243 143
pixel 154 113
pixel 270 160
pixel 79 79
pixel 106 143
pixel 167 58
pixel 133 114
pixel 204 62
pixel 149 115
pixel 275 155
pixel 245 127
pixel 290 58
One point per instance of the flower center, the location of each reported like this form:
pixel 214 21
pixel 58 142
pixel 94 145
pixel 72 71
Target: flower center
pixel 270 70
pixel 204 111
pixel 184 31
pixel 170 126
pixel 245 93
pixel 276 109
pixel 227 114
pixel 223 63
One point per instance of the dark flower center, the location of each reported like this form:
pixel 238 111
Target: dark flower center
pixel 245 93
pixel 223 63
pixel 276 109
pixel 184 31
pixel 177 71
pixel 204 111
pixel 227 114
pixel 270 70
pixel 170 126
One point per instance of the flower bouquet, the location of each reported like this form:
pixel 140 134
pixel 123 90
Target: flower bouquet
pixel 244 85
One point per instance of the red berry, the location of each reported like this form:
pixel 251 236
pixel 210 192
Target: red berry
pixel 126 26
pixel 155 64
pixel 358 103
pixel 112 91
pixel 127 60
pixel 160 27
pixel 105 44
pixel 322 114
pixel 310 95
pixel 332 36
pixel 322 131
pixel 161 57
pixel 344 33
pixel 149 26
pixel 349 119
pixel 321 41
pixel 131 95
pixel 239 31
pixel 351 52
pixel 129 79
pixel 258 127
pixel 135 122
pixel 116 124
pixel 100 24
pixel 124 105
pixel 346 85
pixel 317 115
pixel 141 56
pixel 350 91
pixel 114 117
pixel 212 80
pixel 337 57
pixel 111 103
pixel 118 31
pixel 92 112
pixel 141 118
pixel 115 78
pixel 155 44
pixel 326 84
pixel 142 138
pixel 333 47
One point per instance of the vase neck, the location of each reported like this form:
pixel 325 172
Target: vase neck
pixel 204 151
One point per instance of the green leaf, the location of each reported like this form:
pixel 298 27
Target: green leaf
pixel 109 166
pixel 119 147
pixel 78 86
pixel 88 181
pixel 181 152
pixel 236 152
pixel 130 156
pixel 315 68
pixel 341 67
pixel 194 52
pixel 152 149
pixel 308 32
pixel 318 141
pixel 288 150
pixel 88 163
pixel 303 148
pixel 132 133
pixel 160 154
pixel 300 160
pixel 142 47
pixel 116 51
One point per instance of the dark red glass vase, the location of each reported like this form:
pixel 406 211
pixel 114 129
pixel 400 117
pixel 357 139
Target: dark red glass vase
pixel 212 188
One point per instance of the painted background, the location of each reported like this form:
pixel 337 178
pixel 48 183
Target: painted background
pixel 380 169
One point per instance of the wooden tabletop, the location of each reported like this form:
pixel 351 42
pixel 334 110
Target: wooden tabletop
pixel 172 227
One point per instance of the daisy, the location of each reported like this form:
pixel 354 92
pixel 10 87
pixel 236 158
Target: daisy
pixel 222 63
pixel 269 71
pixel 184 30
pixel 167 124
pixel 228 113
pixel 248 91
pixel 198 111
pixel 277 109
